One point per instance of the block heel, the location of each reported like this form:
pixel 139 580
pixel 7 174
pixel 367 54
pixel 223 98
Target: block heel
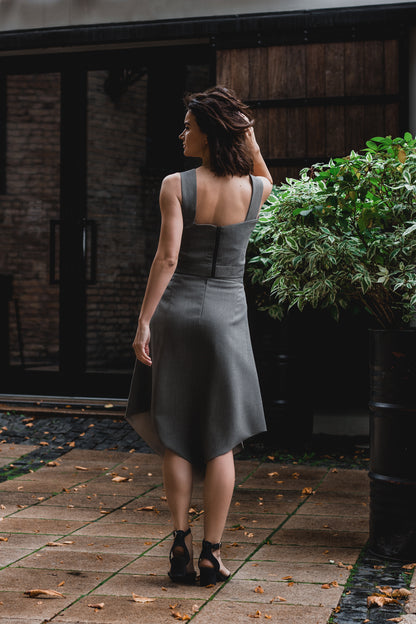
pixel 179 559
pixel 209 575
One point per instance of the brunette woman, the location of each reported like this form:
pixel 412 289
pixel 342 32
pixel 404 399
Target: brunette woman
pixel 192 329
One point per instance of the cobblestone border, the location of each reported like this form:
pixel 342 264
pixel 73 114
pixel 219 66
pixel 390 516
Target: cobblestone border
pixel 370 572
pixel 57 435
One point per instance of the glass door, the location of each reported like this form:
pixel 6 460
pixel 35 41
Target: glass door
pixel 29 230
pixel 134 117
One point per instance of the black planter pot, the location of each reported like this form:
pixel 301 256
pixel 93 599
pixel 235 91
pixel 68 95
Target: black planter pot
pixel 393 443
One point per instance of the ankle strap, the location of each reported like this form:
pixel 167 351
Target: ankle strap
pixel 180 533
pixel 209 546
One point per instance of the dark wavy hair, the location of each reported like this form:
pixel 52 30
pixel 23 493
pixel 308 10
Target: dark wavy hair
pixel 225 120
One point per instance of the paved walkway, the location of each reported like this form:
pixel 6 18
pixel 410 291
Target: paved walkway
pixel 94 526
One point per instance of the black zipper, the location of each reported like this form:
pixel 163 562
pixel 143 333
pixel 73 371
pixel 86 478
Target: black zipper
pixel 215 253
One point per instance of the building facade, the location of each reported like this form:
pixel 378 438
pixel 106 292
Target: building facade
pixel 90 110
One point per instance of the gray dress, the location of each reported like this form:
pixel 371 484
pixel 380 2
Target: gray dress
pixel 201 397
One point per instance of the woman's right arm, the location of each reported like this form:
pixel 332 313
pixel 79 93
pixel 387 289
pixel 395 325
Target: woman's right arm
pixel 164 263
pixel 259 166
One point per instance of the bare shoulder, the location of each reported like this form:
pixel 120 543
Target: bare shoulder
pixel 267 187
pixel 171 186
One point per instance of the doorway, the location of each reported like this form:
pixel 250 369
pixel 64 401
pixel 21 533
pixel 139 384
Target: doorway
pixel 88 142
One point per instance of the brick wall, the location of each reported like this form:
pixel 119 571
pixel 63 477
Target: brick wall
pixel 116 157
pixel 31 200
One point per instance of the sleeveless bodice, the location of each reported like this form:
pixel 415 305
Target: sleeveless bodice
pixel 201 397
pixel 214 250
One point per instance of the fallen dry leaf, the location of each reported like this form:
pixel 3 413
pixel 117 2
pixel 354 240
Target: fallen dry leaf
pixel 396 619
pixel 80 468
pixel 409 566
pixel 329 585
pixel 287 578
pixel 142 599
pixel 119 479
pixel 378 600
pixel 53 544
pixel 257 614
pixel 259 589
pixel 97 605
pixel 306 491
pixel 53 464
pixel 179 616
pixel 147 508
pixel 46 593
pixel 4 539
pixel 343 565
pixel 278 599
pixel 61 584
pixel 402 592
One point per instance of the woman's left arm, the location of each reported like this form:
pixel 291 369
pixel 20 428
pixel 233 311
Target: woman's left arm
pixel 164 263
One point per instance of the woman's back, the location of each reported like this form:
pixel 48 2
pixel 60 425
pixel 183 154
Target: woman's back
pixel 221 200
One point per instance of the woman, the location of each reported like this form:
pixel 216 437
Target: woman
pixel 193 329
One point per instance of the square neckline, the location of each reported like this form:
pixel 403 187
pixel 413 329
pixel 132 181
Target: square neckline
pixel 246 220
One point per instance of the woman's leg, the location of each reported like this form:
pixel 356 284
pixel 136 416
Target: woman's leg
pixel 177 476
pixel 218 492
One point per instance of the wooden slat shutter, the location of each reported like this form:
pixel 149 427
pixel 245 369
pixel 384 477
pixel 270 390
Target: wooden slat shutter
pixel 315 101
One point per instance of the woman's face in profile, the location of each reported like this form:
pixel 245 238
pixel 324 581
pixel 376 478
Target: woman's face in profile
pixel 195 142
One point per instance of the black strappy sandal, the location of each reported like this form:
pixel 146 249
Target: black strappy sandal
pixel 210 575
pixel 179 559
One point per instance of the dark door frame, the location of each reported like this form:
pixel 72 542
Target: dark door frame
pixel 72 378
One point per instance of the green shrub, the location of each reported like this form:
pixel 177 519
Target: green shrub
pixel 343 233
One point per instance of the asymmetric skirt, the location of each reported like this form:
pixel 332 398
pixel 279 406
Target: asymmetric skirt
pixel 201 397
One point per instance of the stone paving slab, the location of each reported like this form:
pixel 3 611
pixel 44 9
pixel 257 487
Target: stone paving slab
pixel 15 524
pixel 246 613
pixel 125 549
pixel 29 610
pixel 328 523
pixel 324 538
pixel 153 587
pixel 306 554
pixel 297 572
pixel 26 540
pixel 12 555
pixel 299 593
pixel 338 497
pixel 120 529
pixel 14 500
pixel 99 544
pixel 340 510
pixel 15 578
pixel 15 450
pixel 80 499
pixel 59 558
pixel 122 610
pixel 49 512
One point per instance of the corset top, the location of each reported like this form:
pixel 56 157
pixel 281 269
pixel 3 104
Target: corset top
pixel 209 250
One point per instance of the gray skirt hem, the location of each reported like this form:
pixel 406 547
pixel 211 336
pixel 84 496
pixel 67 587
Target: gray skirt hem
pixel 143 424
